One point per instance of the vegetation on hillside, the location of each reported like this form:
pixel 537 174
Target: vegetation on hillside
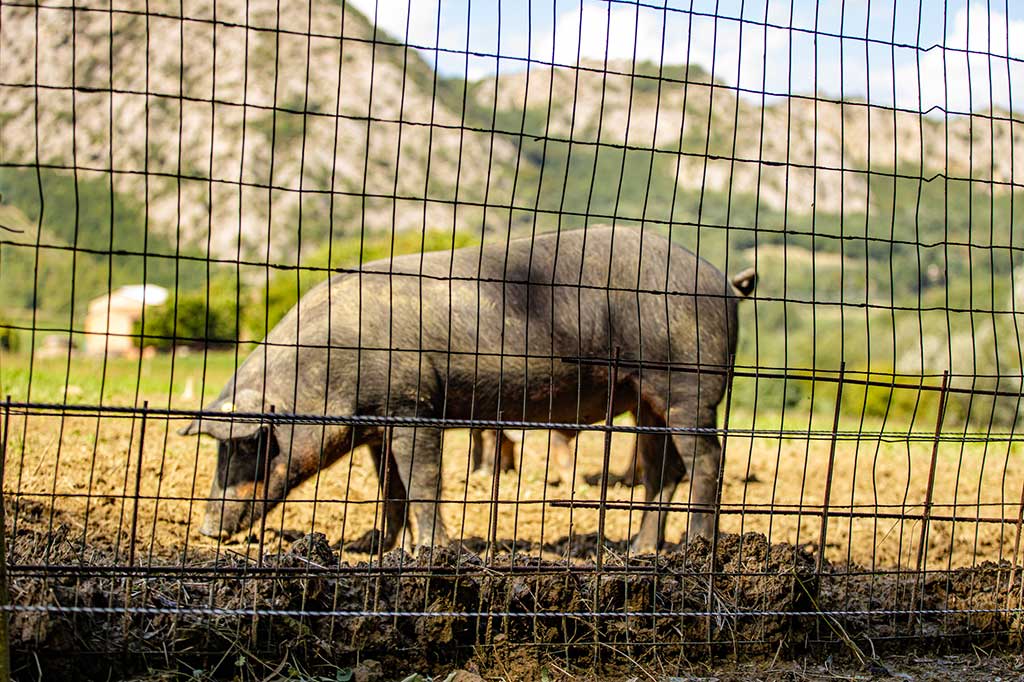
pixel 85 238
pixel 912 278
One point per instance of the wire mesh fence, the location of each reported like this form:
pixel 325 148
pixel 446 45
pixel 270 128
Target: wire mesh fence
pixel 610 332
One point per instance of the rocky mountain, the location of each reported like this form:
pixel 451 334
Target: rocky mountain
pixel 240 131
pixel 226 125
pixel 883 238
pixel 792 153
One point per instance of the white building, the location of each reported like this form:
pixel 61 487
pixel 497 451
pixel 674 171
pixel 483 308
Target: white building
pixel 111 319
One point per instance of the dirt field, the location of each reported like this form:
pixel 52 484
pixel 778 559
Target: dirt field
pixel 506 616
pixel 70 487
pixel 88 470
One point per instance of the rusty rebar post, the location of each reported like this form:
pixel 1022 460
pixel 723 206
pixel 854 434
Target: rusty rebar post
pixel 827 497
pixel 922 549
pixel 5 599
pixel 384 471
pixel 1016 548
pixel 266 493
pixel 492 534
pixel 718 505
pixel 386 493
pixel 138 485
pixel 128 580
pixel 602 509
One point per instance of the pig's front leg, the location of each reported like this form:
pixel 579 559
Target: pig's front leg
pixel 394 499
pixel 417 456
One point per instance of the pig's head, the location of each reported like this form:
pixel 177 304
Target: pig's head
pixel 252 474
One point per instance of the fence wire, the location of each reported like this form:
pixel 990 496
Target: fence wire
pixel 618 333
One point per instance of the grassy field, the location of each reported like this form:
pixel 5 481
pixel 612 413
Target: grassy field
pixel 166 380
pixel 82 472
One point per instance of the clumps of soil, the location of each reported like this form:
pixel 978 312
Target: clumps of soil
pixel 974 604
pixel 423 613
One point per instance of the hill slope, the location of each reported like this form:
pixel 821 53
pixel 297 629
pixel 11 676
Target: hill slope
pixel 266 137
pixel 243 127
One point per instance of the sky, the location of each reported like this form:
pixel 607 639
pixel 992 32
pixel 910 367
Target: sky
pixel 956 55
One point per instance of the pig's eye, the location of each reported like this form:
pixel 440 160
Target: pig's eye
pixel 257 448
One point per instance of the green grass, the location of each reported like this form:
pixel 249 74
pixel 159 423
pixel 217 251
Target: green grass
pixel 126 381
pixel 117 381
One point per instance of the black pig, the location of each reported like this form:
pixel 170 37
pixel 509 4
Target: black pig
pixel 469 334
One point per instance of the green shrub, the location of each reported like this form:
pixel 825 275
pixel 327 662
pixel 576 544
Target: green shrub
pixel 191 321
pixel 8 336
pixel 286 288
pixel 901 407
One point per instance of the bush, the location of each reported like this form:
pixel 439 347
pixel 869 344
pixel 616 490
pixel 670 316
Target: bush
pixel 8 336
pixel 191 321
pixel 285 288
pixel 881 400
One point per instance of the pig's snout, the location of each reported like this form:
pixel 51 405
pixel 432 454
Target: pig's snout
pixel 226 514
pixel 237 507
pixel 212 525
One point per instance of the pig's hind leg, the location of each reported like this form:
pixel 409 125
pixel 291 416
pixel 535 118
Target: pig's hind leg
pixel 661 470
pixel 702 456
pixel 631 476
pixel 394 499
pixel 417 457
pixel 482 450
pixel 696 452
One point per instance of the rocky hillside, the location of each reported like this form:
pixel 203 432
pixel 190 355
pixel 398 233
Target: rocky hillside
pixel 243 127
pixel 250 119
pixel 752 146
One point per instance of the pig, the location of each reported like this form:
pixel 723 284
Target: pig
pixel 483 446
pixel 522 329
pixel 484 451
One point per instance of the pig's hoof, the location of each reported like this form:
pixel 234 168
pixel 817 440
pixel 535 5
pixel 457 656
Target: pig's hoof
pixel 427 550
pixel 641 545
pixel 613 479
pixel 367 543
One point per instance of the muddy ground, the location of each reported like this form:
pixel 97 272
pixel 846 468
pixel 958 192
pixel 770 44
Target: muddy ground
pixel 650 613
pixel 70 488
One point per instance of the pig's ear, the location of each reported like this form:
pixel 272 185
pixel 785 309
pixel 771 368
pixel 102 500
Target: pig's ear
pixel 225 425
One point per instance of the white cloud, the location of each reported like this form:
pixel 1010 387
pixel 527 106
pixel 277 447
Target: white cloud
pixel 394 17
pixel 963 81
pixel 465 26
pixel 598 30
pixel 746 54
pixel 750 55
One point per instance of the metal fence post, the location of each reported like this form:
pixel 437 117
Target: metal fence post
pixel 602 510
pixel 266 491
pixel 492 535
pixel 922 551
pixel 138 484
pixel 1016 549
pixel 718 504
pixel 826 501
pixel 5 597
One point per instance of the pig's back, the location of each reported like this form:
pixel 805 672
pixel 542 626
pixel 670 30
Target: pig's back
pixel 568 259
pixel 574 292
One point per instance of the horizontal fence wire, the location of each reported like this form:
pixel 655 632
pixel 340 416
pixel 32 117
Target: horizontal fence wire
pixel 485 614
pixel 452 423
